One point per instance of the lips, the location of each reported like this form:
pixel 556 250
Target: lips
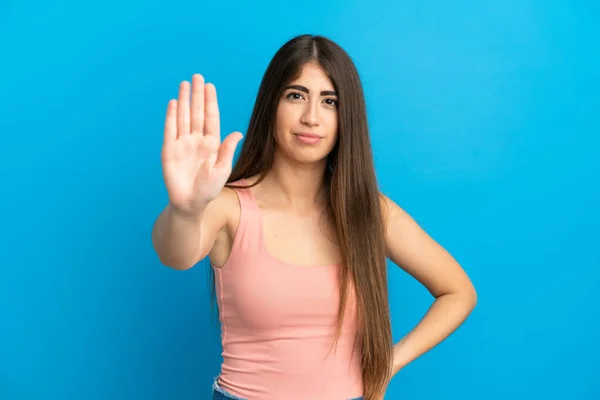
pixel 309 135
pixel 308 138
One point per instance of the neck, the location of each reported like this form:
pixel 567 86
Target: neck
pixel 297 185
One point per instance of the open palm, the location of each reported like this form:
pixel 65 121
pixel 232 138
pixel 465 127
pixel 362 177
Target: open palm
pixel 196 165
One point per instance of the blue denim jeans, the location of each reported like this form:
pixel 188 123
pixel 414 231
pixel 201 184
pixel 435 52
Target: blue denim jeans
pixel 220 394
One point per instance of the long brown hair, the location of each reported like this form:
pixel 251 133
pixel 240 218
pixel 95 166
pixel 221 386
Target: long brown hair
pixel 354 199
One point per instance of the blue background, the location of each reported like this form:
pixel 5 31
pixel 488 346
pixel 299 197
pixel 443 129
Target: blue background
pixel 484 116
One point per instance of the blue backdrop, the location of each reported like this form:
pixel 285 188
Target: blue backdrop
pixel 485 128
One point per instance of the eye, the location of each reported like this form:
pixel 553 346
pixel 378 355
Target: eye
pixel 331 102
pixel 294 96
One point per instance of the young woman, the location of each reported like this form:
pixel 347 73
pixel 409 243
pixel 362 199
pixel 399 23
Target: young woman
pixel 298 235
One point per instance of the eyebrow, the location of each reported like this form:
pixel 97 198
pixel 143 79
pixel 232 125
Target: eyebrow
pixel 305 90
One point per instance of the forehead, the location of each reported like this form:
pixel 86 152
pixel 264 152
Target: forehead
pixel 312 75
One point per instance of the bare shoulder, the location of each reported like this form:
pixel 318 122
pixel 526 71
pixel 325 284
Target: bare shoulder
pixel 216 220
pixel 390 209
pixel 222 209
pixel 396 221
pixel 227 206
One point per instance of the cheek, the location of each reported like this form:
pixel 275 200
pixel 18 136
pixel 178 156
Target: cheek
pixel 333 128
pixel 279 123
pixel 332 122
pixel 282 121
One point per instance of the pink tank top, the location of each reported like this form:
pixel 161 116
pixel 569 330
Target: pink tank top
pixel 278 323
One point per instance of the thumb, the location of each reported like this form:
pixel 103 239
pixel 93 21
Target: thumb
pixel 227 150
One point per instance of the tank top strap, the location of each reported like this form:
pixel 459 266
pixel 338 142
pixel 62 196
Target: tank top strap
pixel 247 201
pixel 248 236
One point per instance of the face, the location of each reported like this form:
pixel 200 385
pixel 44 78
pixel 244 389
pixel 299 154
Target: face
pixel 306 128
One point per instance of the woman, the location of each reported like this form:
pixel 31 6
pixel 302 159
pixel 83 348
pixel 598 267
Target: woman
pixel 298 234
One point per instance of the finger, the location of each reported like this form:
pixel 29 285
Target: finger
pixel 197 110
pixel 183 109
pixel 227 151
pixel 211 114
pixel 171 122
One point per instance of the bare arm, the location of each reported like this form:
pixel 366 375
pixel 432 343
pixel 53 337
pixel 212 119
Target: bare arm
pixel 176 238
pixel 412 249
pixel 196 166
pixel 182 239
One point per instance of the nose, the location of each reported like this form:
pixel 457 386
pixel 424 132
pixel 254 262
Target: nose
pixel 310 116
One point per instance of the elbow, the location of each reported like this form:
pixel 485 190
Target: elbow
pixel 470 296
pixel 465 298
pixel 176 263
pixel 171 260
pixel 179 265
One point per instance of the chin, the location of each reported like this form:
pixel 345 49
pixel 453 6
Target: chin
pixel 302 156
pixel 305 157
pixel 311 152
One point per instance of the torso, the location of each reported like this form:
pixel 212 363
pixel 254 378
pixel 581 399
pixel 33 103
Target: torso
pixel 276 283
pixel 306 239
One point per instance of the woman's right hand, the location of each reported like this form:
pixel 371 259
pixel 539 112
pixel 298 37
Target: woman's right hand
pixel 196 165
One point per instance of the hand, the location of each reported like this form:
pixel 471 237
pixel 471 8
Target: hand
pixel 196 165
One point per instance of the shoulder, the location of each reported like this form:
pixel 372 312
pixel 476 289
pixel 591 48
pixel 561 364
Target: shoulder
pixel 225 213
pixel 228 205
pixel 228 200
pixel 223 204
pixel 222 212
pixel 398 224
pixel 390 209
